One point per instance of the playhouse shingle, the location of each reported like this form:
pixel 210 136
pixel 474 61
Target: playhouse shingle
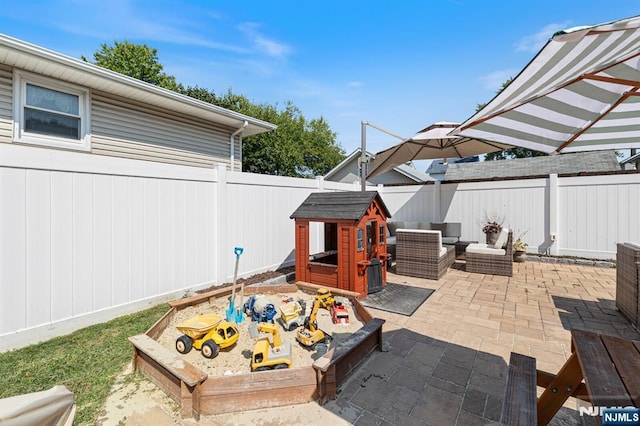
pixel 337 205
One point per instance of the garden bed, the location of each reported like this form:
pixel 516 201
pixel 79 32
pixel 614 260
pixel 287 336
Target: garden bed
pixel 225 383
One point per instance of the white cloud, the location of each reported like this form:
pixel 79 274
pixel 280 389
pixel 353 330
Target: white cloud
pixel 122 18
pixel 268 46
pixel 535 42
pixel 355 84
pixel 493 81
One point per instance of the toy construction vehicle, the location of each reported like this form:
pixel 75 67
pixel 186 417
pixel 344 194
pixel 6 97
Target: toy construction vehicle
pixel 325 298
pixel 310 335
pixel 208 333
pixel 339 314
pixel 267 356
pixel 259 308
pixel 292 315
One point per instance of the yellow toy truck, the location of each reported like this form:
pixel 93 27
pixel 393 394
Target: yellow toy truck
pixel 208 333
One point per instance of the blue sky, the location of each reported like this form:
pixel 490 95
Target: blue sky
pixel 399 65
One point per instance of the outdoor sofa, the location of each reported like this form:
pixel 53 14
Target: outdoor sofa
pixel 450 232
pixel 492 259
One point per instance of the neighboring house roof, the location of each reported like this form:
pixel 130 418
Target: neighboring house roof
pixel 29 57
pixel 349 166
pixel 634 159
pixel 412 173
pixel 438 167
pixel 338 205
pixel 594 161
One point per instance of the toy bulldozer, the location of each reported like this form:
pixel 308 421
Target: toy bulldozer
pixel 208 333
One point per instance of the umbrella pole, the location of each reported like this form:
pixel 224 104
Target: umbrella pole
pixel 363 156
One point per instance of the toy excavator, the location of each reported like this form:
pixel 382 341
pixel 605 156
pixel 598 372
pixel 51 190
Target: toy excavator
pixel 268 357
pixel 310 335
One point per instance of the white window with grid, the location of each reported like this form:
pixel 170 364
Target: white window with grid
pixel 50 113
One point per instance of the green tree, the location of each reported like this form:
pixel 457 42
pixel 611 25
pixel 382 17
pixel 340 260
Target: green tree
pixel 298 147
pixel 515 152
pixel 135 60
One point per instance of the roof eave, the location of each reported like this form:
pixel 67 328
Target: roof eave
pixel 36 59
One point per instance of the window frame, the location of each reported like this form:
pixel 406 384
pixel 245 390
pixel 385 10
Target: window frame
pixel 20 81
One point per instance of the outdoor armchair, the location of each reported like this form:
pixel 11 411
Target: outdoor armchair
pixel 492 259
pixel 420 253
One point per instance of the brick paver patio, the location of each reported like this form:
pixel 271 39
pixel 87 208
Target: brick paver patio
pixel 447 363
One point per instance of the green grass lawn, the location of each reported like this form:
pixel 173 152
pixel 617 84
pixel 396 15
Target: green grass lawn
pixel 86 362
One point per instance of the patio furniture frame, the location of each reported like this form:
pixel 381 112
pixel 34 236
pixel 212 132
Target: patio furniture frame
pixel 492 264
pixel 418 254
pixel 628 282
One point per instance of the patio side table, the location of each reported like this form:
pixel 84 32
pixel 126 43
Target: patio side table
pixel 461 246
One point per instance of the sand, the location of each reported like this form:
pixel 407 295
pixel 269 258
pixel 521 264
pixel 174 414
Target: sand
pixel 237 358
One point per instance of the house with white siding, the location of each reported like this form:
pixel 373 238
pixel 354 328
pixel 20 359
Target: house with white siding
pixel 55 101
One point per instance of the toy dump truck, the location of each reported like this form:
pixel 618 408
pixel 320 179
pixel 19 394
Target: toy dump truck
pixel 207 333
pixel 292 315
pixel 267 356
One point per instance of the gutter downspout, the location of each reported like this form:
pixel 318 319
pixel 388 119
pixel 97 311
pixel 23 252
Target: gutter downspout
pixel 232 141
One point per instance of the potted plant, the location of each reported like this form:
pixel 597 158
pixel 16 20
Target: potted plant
pixel 520 249
pixel 491 226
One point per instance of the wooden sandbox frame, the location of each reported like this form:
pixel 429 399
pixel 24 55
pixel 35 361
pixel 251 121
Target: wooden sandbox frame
pixel 197 393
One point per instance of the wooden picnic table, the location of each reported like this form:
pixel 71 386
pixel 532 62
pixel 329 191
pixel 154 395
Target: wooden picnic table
pixel 609 366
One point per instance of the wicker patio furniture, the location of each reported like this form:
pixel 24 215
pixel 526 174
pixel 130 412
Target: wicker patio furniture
pixel 628 281
pixel 492 259
pixel 420 253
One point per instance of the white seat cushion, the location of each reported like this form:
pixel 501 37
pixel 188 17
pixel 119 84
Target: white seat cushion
pixel 443 251
pixel 632 245
pixel 485 249
pixel 502 238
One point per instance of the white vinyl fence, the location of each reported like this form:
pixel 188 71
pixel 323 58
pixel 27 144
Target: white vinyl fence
pixel 583 216
pixel 87 238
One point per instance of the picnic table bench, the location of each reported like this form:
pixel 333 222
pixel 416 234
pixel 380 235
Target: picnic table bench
pixel 602 370
pixel 519 407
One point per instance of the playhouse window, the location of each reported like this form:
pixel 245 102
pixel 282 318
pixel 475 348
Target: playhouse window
pixel 381 234
pixel 323 243
pixel 360 239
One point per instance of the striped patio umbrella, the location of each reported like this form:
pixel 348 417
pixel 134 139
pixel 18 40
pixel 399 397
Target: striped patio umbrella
pixel 581 92
pixel 431 143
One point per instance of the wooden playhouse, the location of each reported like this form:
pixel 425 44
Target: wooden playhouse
pixel 350 230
